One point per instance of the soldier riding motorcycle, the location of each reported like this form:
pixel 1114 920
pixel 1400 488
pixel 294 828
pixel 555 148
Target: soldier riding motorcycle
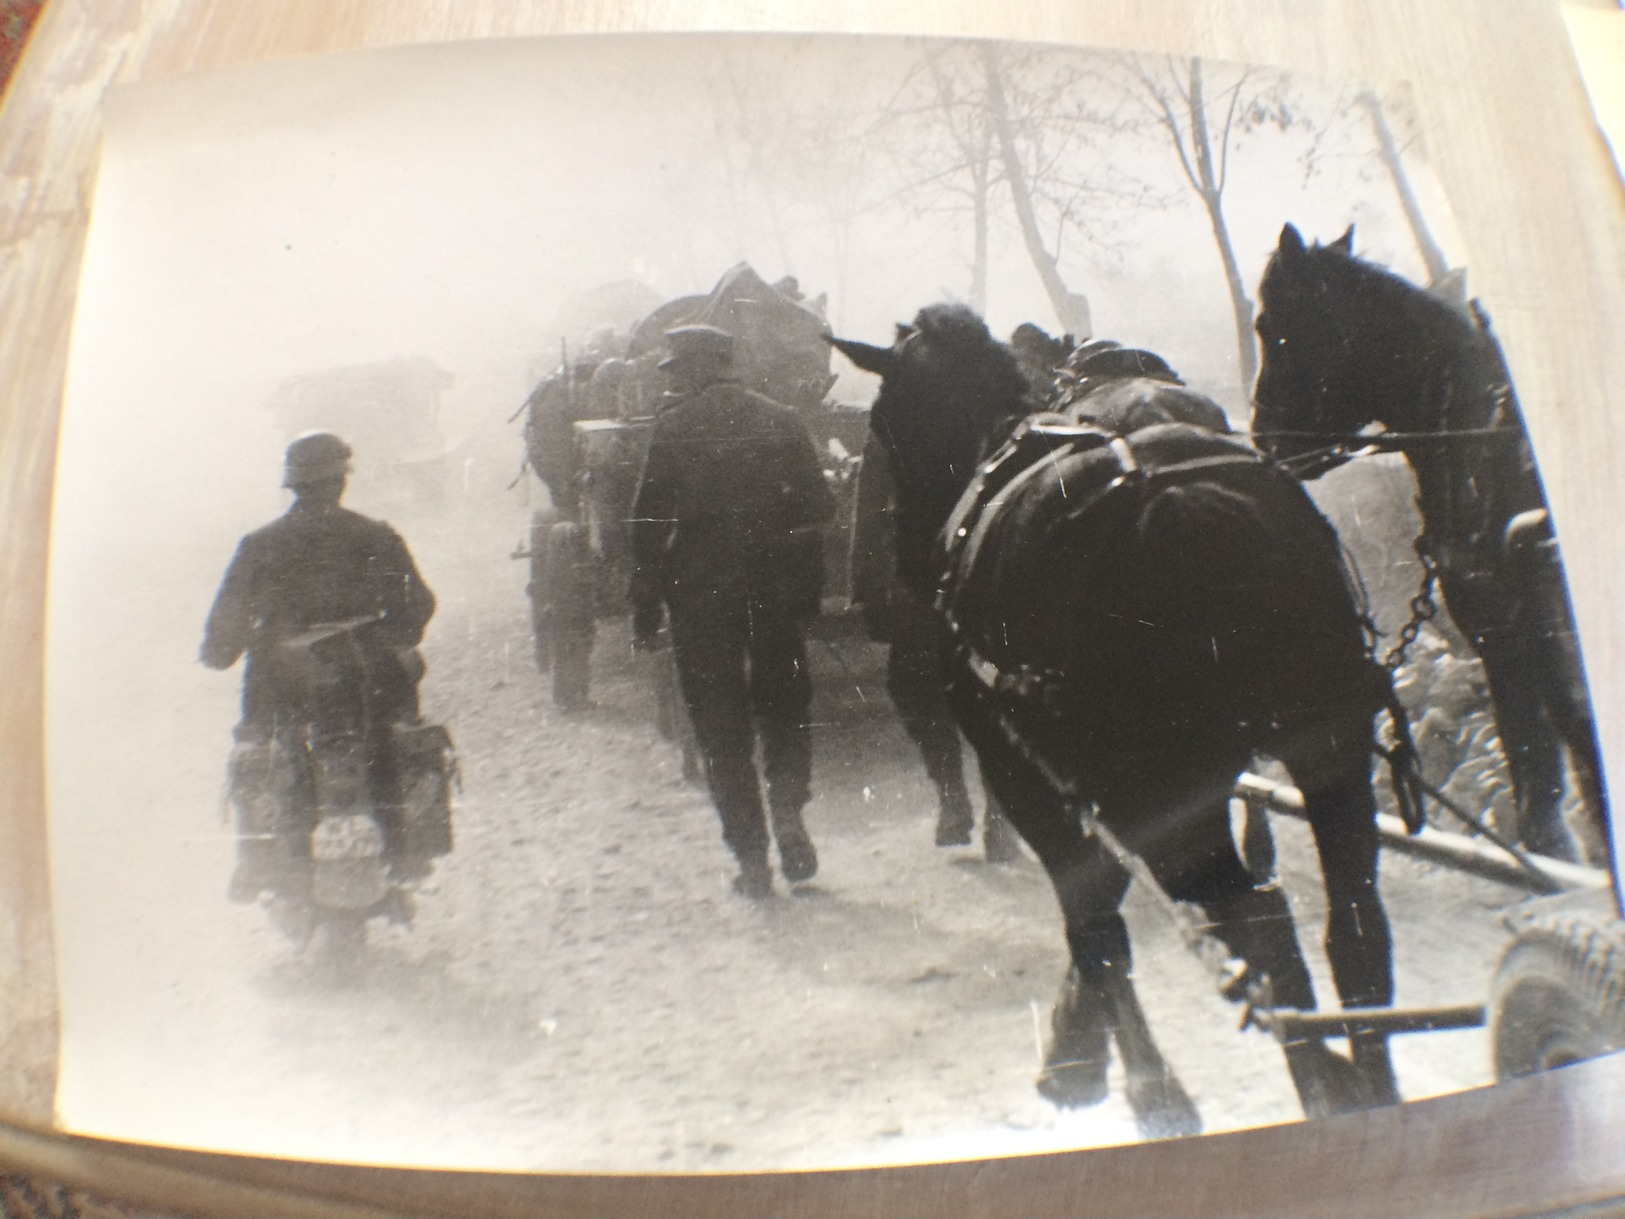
pixel 341 790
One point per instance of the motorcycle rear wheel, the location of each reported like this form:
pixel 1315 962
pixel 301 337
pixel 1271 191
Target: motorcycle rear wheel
pixel 346 935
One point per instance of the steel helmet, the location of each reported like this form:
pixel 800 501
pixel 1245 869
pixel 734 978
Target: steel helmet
pixel 315 456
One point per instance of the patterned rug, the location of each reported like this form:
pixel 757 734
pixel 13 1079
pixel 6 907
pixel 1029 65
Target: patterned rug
pixel 17 19
pixel 28 1197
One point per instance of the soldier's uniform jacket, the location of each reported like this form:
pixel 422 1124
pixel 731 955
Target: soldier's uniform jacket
pixel 730 502
pixel 318 563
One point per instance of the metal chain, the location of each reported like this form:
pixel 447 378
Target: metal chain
pixel 1423 610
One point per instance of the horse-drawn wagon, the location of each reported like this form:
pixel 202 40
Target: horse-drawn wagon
pixel 587 429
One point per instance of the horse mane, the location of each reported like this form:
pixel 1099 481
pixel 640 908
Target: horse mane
pixel 1400 303
pixel 1425 339
pixel 985 371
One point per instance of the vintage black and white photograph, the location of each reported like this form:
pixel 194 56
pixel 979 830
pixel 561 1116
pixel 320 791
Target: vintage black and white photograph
pixel 740 603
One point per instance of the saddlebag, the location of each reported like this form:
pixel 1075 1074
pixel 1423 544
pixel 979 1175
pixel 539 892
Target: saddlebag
pixel 271 852
pixel 427 762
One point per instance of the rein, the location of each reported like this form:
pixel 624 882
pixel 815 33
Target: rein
pixel 1393 440
pixel 1348 448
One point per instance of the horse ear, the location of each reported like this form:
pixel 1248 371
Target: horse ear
pixel 1291 240
pixel 865 355
pixel 1345 243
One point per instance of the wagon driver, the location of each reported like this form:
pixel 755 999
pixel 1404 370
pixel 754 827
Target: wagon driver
pixel 726 541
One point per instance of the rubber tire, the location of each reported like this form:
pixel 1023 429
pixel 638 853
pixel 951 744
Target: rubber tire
pixel 1558 998
pixel 570 614
pixel 346 946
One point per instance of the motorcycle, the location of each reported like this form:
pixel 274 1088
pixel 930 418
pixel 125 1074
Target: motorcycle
pixel 339 811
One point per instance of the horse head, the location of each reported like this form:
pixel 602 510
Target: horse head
pixel 950 393
pixel 1311 347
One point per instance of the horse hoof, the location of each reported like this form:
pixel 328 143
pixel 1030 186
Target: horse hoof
pixel 1329 1084
pixel 1073 1085
pixel 952 832
pixel 1162 1109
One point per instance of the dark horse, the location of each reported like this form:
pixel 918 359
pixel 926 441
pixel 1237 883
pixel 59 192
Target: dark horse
pixel 1346 345
pixel 1128 621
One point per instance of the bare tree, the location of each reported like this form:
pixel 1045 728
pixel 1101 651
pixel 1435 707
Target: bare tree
pixel 1178 100
pixel 936 130
pixel 790 157
pixel 749 112
pixel 1072 308
pixel 976 119
pixel 1441 278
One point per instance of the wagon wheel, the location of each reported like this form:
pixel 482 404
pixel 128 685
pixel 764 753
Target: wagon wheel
pixel 571 612
pixel 538 589
pixel 1559 995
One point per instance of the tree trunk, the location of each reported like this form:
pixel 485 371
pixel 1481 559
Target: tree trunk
pixel 978 266
pixel 1212 199
pixel 1070 307
pixel 1432 256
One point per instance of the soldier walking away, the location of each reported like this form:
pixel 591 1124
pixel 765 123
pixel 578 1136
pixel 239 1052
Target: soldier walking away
pixel 726 541
pixel 320 563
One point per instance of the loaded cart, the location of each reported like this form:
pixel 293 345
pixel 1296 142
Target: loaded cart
pixel 587 430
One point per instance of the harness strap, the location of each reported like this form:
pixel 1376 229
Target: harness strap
pixel 1021 460
pixel 1404 764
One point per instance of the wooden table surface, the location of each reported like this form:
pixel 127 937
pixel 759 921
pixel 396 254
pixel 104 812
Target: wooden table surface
pixel 1543 218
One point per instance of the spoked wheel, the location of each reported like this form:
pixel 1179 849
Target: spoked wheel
pixel 1559 995
pixel 538 588
pixel 570 614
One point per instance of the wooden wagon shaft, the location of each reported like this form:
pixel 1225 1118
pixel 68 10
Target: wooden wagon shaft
pixel 1288 1024
pixel 1470 855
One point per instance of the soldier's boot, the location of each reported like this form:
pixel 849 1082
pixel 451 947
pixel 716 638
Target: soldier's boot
pixel 797 855
pixel 755 881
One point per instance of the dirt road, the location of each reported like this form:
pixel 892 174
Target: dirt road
pixel 583 992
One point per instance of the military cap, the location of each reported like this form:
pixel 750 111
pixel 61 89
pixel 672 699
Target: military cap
pixel 698 341
pixel 313 457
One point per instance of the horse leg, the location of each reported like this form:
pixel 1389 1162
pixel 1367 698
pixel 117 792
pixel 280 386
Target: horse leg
pixel 1570 708
pixel 1089 886
pixel 1192 853
pixel 1342 815
pixel 1581 736
pixel 1533 750
pixel 1162 1108
pixel 1000 842
pixel 914 683
pixel 1103 969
